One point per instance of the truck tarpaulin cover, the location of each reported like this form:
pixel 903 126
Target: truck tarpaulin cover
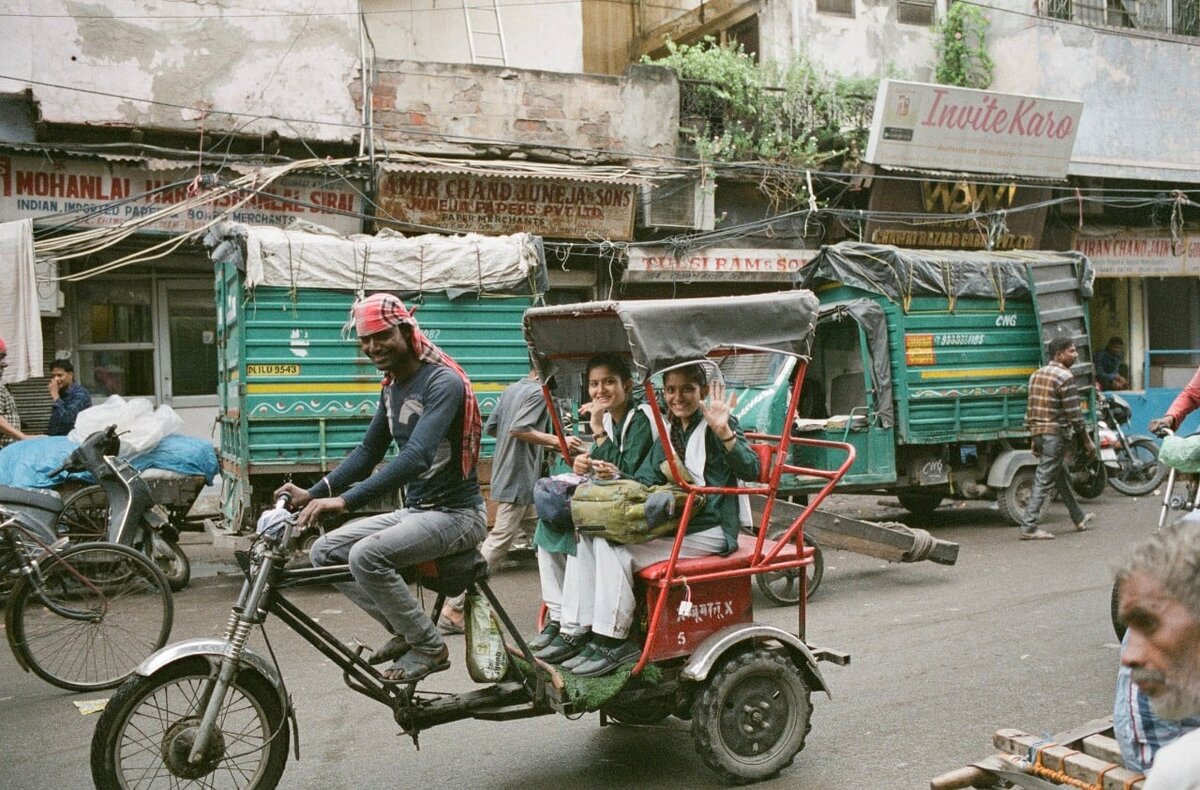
pixel 661 333
pixel 870 317
pixel 309 256
pixel 900 274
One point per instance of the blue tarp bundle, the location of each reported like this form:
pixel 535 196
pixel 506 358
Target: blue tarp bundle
pixel 28 464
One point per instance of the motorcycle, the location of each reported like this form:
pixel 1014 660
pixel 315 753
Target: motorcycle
pixel 120 509
pixel 1132 460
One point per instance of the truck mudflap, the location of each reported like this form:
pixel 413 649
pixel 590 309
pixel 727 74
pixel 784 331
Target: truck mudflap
pixel 889 541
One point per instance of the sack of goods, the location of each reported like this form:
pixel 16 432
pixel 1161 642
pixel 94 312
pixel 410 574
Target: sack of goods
pixel 487 657
pixel 625 511
pixel 552 500
pixel 1181 453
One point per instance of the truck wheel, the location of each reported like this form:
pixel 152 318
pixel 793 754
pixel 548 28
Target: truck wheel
pixel 753 716
pixel 918 502
pixel 1013 499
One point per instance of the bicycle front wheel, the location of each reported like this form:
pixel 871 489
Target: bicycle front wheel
pixel 90 616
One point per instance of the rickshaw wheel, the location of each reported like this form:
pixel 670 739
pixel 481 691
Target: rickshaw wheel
pixel 753 716
pixel 1012 500
pixel 646 711
pixel 783 587
pixel 84 516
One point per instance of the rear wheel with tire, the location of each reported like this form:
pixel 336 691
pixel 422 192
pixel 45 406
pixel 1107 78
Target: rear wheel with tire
pixel 98 611
pixel 146 731
pixel 171 560
pixel 1013 499
pixel 783 587
pixel 919 503
pixel 1089 477
pixel 753 716
pixel 84 516
pixel 1139 471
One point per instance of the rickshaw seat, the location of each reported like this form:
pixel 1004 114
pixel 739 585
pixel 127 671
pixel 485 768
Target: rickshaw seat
pixel 693 566
pixel 449 575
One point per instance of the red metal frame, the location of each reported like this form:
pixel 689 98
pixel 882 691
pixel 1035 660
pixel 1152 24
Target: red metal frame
pixel 763 560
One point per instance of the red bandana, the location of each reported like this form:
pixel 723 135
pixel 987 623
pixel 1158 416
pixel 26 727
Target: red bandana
pixel 380 312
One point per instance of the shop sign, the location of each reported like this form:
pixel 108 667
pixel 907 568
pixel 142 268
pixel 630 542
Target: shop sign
pixel 1019 228
pixel 468 203
pixel 1126 253
pixel 101 195
pixel 659 264
pixel 939 127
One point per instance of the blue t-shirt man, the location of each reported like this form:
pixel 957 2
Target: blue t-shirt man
pixel 69 398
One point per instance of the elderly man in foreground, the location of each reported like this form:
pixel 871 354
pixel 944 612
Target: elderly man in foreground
pixel 1160 603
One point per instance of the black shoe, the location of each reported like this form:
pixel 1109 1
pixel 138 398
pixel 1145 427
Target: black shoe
pixel 587 654
pixel 564 646
pixel 546 636
pixel 608 659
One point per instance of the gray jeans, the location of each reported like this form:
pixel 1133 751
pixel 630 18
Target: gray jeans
pixel 377 547
pixel 1051 473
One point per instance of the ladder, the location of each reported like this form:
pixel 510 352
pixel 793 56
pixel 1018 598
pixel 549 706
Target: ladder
pixel 485 34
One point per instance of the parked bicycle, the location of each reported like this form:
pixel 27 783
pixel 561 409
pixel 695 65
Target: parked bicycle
pixel 1132 460
pixel 81 617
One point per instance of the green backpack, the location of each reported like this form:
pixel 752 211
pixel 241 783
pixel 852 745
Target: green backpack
pixel 616 510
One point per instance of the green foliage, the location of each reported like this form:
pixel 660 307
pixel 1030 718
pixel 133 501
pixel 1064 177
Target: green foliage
pixel 962 50
pixel 736 110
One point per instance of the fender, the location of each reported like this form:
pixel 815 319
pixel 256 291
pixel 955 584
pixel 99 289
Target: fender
pixel 712 649
pixel 1006 466
pixel 215 650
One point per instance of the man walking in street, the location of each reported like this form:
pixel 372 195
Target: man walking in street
pixel 1051 416
pixel 69 398
pixel 428 409
pixel 1160 605
pixel 519 423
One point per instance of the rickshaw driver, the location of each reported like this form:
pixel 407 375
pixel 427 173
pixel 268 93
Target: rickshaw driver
pixel 707 441
pixel 427 407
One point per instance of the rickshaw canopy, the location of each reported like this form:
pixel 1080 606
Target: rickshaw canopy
pixel 661 333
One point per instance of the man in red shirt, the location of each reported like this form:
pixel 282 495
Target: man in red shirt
pixel 1052 415
pixel 1184 404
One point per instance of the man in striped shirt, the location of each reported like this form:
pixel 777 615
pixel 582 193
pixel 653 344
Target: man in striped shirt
pixel 1051 416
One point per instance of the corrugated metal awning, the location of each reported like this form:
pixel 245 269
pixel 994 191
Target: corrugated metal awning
pixel 953 176
pixel 514 169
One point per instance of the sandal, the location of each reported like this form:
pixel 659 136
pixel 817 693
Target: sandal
pixel 395 647
pixel 416 665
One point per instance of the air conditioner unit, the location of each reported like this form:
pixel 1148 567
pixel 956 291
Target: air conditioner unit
pixel 679 204
pixel 45 273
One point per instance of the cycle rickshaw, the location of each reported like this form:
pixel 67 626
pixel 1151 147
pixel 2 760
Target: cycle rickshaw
pixel 214 707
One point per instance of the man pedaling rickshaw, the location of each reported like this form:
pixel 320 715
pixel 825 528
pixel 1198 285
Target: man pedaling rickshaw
pixel 427 407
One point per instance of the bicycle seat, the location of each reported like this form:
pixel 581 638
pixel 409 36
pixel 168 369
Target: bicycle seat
pixel 449 575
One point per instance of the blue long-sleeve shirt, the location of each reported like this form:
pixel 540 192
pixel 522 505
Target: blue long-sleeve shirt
pixel 424 416
pixel 63 412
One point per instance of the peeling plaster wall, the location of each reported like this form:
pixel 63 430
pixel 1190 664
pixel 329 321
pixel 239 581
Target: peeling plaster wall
pixel 538 34
pixel 242 58
pixel 1140 112
pixel 636 114
pixel 869 44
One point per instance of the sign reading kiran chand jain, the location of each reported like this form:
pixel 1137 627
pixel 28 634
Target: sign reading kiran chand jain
pixel 939 127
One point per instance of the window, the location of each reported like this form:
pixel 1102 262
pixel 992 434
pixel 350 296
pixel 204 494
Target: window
pixel 1178 17
pixel 115 337
pixel 843 7
pixel 149 337
pixel 914 12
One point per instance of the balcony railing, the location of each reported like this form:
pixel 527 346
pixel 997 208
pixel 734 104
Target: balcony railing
pixel 1176 17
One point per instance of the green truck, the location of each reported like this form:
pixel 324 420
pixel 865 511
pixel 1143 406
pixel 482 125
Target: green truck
pixel 922 359
pixel 295 394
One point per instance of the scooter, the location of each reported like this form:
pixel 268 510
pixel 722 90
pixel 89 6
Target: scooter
pixel 1132 460
pixel 120 508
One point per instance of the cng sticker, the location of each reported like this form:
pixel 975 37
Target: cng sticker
pixel 918 350
pixel 272 370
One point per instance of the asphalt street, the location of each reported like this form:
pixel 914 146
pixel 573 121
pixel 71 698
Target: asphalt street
pixel 1017 634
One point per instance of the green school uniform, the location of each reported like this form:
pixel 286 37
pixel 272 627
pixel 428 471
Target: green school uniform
pixel 721 468
pixel 628 456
